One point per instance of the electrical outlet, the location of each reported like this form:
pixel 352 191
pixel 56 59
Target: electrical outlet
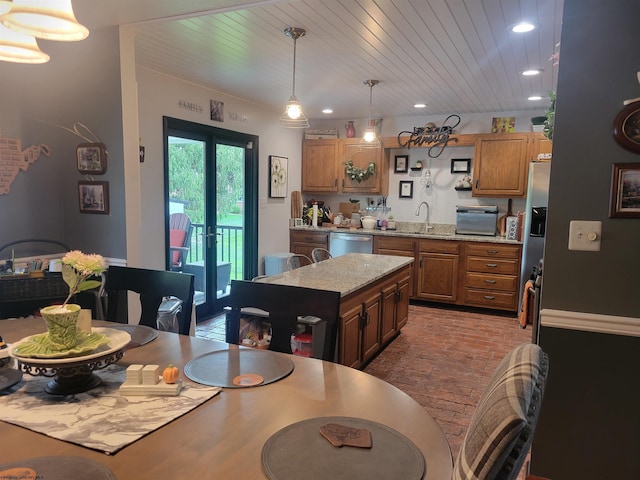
pixel 585 235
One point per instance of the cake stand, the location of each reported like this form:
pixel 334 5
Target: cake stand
pixel 75 374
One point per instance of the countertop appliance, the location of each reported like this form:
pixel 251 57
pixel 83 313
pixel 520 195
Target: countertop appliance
pixel 476 219
pixel 535 221
pixel 342 243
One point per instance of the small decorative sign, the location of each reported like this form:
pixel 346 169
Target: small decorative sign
pixel 191 106
pixel 431 134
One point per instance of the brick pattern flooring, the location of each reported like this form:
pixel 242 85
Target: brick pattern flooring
pixel 443 359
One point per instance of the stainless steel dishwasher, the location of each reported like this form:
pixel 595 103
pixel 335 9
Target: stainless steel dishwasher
pixel 342 243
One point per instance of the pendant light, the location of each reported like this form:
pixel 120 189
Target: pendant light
pixel 18 47
pixel 293 116
pixel 47 19
pixel 370 139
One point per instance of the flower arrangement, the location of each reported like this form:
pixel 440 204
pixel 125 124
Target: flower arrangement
pixel 358 174
pixel 77 267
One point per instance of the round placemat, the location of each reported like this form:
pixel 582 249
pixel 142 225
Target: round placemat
pixel 219 368
pixel 9 377
pixel 285 455
pixel 61 468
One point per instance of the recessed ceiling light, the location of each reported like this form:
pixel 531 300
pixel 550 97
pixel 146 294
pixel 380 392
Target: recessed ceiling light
pixel 531 71
pixel 327 110
pixel 523 27
pixel 533 98
pixel 420 105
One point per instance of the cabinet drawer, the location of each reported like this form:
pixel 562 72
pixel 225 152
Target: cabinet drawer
pixel 493 251
pixel 309 237
pixel 440 246
pixel 394 243
pixel 506 283
pixel 492 265
pixel 491 299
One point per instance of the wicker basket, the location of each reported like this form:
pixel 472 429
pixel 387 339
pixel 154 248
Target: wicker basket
pixel 23 287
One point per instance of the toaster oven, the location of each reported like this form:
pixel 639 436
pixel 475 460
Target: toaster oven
pixel 476 219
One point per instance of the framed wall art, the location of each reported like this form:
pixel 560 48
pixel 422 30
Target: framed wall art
pixel 460 165
pixel 625 191
pixel 93 197
pixel 278 173
pixel 92 158
pixel 401 164
pixel 406 189
pixel 626 127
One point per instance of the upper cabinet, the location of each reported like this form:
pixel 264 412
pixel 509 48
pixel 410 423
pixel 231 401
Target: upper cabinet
pixel 324 169
pixel 540 148
pixel 500 165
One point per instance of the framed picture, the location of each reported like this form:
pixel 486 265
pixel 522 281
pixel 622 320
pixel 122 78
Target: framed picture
pixel 625 191
pixel 406 189
pixel 92 158
pixel 401 164
pixel 460 165
pixel 278 176
pixel 626 127
pixel 93 197
pixel 217 110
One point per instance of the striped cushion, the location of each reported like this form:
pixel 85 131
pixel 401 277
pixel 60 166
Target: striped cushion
pixel 501 429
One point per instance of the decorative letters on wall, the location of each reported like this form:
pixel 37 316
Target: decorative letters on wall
pixel 13 159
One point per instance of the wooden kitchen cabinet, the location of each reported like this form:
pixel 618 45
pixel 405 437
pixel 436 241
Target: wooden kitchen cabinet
pixel 501 163
pixel 301 241
pixel 320 170
pixel 371 318
pixel 540 146
pixel 492 275
pixel 437 271
pixel 323 167
pixel 399 246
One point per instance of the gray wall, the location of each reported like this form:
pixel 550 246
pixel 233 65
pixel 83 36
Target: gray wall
pixel 589 422
pixel 81 83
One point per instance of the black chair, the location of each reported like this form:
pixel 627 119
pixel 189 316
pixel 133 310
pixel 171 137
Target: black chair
pixel 153 286
pixel 285 305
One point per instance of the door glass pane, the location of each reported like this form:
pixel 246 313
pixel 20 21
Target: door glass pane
pixel 187 160
pixel 230 181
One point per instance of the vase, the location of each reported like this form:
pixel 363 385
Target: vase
pixel 351 130
pixel 62 325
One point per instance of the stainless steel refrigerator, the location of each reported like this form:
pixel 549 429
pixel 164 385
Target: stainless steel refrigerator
pixel 535 223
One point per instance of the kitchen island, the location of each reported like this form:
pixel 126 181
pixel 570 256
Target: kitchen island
pixel 374 299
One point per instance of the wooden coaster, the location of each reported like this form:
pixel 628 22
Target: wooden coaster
pixel 248 380
pixel 339 435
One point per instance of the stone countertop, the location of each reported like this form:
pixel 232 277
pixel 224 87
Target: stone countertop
pixel 345 274
pixel 416 230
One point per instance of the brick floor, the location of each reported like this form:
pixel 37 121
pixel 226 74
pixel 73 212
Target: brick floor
pixel 443 359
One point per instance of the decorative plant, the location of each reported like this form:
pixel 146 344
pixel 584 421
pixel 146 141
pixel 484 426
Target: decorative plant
pixel 77 267
pixel 551 113
pixel 358 174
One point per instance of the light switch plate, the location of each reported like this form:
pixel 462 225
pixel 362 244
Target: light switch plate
pixel 585 235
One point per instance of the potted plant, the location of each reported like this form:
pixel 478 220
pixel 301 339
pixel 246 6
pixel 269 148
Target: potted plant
pixel 61 320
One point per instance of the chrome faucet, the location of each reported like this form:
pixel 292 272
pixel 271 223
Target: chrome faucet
pixel 427 227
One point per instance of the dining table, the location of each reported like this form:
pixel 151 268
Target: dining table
pixel 225 436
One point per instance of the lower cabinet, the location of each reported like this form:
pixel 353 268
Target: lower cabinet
pixel 304 242
pixel 438 265
pixel 371 318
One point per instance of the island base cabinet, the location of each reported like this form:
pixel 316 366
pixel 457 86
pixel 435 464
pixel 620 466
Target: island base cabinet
pixel 371 319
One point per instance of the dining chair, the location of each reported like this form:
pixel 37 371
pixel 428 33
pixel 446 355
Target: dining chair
pixel 502 427
pixel 153 286
pixel 298 260
pixel 285 305
pixel 180 229
pixel 319 254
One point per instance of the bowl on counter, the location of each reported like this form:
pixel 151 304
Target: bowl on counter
pixel 369 223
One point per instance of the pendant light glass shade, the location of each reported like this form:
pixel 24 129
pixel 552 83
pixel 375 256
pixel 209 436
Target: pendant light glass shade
pixel 370 138
pixel 293 116
pixel 5 6
pixel 20 48
pixel 48 19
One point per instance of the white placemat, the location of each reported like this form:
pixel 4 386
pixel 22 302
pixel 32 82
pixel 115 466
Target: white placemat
pixel 101 419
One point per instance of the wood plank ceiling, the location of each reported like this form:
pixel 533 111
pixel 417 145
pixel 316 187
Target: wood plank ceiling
pixel 457 56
